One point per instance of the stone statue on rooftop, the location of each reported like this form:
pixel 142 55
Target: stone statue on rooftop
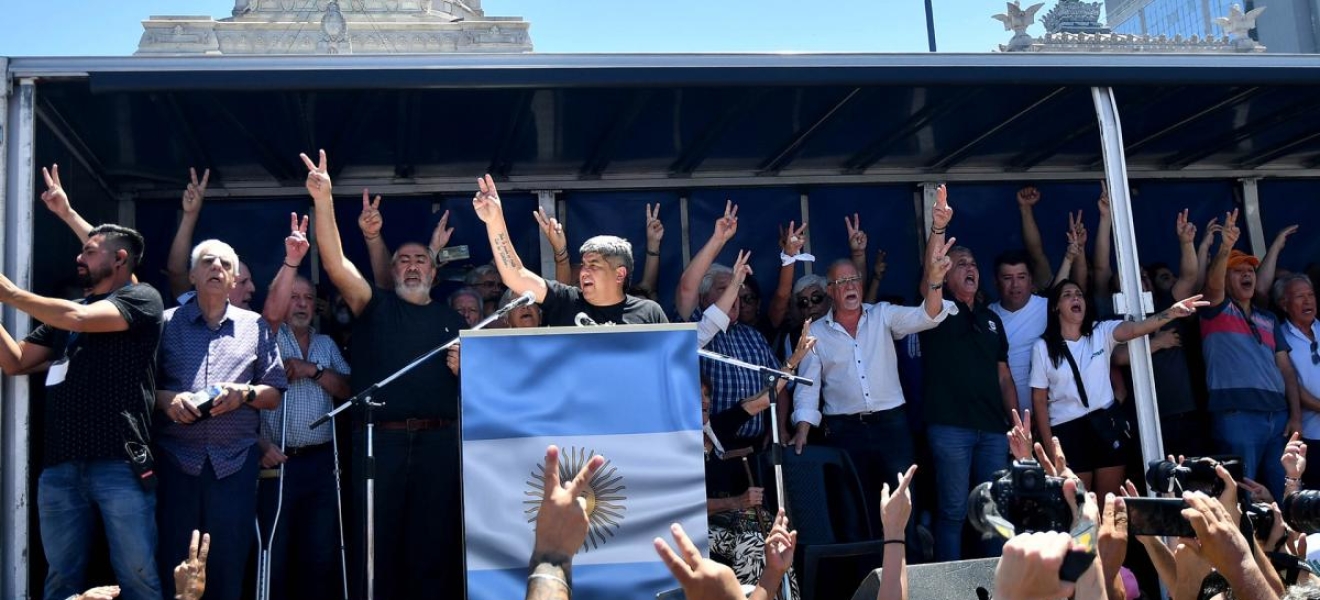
pixel 1237 24
pixel 1017 20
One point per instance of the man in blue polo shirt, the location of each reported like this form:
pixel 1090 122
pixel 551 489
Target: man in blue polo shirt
pixel 1254 404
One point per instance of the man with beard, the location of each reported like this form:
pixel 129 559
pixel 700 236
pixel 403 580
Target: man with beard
pixel 607 265
pixel 1253 406
pixel 99 393
pixel 417 516
pixel 857 393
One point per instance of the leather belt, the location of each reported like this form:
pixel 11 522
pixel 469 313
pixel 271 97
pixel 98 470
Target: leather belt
pixel 414 424
pixel 305 450
pixel 864 417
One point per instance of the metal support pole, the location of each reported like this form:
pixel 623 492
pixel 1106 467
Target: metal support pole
pixel 804 209
pixel 1251 217
pixel 1134 304
pixel 17 265
pixel 930 25
pixel 546 200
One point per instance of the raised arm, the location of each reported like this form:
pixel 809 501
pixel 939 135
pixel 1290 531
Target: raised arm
pixel 98 317
pixel 1027 198
pixel 895 509
pixel 1101 269
pixel 856 243
pixel 791 243
pixel 740 272
pixel 1203 252
pixel 1076 246
pixel 176 264
pixel 1188 267
pixel 517 277
pixel 686 299
pixel 553 231
pixel 1134 329
pixel 372 224
pixel 440 237
pixel 1213 291
pixel 655 233
pixel 346 277
pixel 58 203
pixel 937 250
pixel 1265 274
pixel 279 295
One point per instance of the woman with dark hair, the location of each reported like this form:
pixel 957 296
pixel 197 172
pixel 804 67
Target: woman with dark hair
pixel 1070 390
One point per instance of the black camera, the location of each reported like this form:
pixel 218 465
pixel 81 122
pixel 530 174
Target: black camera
pixel 1301 511
pixel 1022 499
pixel 1261 516
pixel 1192 475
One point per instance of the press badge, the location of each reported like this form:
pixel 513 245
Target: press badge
pixel 58 369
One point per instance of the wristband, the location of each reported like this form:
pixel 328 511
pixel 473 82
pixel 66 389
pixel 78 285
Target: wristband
pixel 294 267
pixel 900 542
pixel 938 231
pixel 935 286
pixel 558 580
pixel 786 260
pixel 649 253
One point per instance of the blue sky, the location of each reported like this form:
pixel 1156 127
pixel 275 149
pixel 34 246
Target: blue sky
pixel 105 27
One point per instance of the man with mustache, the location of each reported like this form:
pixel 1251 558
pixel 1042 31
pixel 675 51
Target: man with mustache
pixel 99 392
pixel 417 510
pixel 1254 403
pixel 857 392
pixel 318 375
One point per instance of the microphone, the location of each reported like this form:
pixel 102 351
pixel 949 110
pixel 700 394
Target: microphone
pixel 583 320
pixel 526 299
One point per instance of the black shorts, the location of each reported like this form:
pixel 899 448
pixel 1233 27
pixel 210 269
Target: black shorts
pixel 1084 448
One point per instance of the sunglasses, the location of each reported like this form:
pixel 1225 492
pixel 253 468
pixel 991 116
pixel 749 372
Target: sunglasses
pixel 1315 352
pixel 815 299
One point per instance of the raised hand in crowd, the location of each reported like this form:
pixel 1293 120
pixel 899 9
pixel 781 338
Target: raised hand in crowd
pixel 177 264
pixel 1027 198
pixel 190 575
pixel 1052 459
pixel 1203 251
pixel 701 578
pixel 561 529
pixel 687 298
pixel 440 237
pixel 553 231
pixel 1029 567
pixel 1075 255
pixel 372 224
pixel 655 233
pixel 779 547
pixel 1294 463
pixel 1112 544
pixel 895 510
pixel 57 201
pixel 280 293
pixel 856 242
pixel 1188 265
pixel 942 212
pixel 1269 264
pixel 741 270
pixel 937 266
pixel 1020 443
pixel 1102 271
pixel 1189 571
pixel 1220 542
pixel 791 242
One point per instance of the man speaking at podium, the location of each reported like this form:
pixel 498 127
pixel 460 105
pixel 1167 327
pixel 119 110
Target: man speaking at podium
pixel 607 265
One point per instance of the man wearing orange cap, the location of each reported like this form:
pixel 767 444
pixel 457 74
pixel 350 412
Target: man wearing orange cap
pixel 1254 402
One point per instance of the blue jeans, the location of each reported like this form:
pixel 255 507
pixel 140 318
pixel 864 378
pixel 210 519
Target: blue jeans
pixel 963 458
pixel 1256 436
pixel 225 508
pixel 68 497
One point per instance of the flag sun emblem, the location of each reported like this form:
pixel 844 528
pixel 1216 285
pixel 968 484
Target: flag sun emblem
pixel 603 494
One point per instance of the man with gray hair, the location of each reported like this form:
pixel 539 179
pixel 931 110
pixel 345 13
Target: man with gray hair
pixel 607 265
pixel 485 279
pixel 1300 334
pixel 700 289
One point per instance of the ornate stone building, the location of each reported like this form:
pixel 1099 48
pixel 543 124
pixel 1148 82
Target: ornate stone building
pixel 1074 26
pixel 338 27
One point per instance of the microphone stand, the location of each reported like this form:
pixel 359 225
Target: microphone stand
pixel 364 399
pixel 771 378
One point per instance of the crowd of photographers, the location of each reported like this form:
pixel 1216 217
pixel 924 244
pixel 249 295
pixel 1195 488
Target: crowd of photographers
pixel 933 384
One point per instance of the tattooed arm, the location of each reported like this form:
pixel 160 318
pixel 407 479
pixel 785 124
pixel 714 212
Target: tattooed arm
pixel 517 277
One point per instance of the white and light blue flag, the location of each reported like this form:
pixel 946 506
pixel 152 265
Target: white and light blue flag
pixel 629 393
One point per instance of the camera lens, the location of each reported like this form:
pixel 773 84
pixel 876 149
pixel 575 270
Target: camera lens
pixel 1301 510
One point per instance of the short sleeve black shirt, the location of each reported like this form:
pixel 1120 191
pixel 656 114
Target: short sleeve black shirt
pixel 389 334
pixel 961 364
pixel 110 375
pixel 562 304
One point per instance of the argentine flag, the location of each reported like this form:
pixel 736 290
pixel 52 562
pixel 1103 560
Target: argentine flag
pixel 629 393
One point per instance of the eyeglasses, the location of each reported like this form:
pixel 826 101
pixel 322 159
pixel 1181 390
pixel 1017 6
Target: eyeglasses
pixel 1315 352
pixel 843 281
pixel 804 301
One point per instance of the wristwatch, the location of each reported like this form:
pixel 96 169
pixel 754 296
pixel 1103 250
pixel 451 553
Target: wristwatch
pixel 935 286
pixel 249 395
pixel 319 372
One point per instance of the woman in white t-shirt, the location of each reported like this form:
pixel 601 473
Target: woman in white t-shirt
pixel 1091 432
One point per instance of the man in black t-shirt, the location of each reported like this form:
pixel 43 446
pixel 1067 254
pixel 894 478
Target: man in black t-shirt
pixel 607 265
pixel 100 387
pixel 417 508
